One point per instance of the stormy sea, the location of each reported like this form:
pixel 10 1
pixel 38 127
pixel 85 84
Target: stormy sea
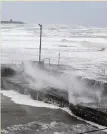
pixel 73 69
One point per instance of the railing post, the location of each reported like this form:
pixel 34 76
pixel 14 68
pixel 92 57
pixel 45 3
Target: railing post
pixel 37 95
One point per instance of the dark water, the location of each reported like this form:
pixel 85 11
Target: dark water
pixel 22 119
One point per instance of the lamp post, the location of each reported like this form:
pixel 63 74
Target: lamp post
pixel 40 42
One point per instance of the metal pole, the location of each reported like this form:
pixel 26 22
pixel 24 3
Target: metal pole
pixel 40 42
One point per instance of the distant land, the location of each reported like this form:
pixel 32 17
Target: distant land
pixel 11 21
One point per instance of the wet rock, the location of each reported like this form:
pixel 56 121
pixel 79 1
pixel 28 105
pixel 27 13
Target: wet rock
pixel 5 72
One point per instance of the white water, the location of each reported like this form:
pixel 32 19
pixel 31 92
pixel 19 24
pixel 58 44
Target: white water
pixel 78 46
pixel 26 100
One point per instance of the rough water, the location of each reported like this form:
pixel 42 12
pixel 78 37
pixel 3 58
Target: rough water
pixel 84 48
pixel 83 56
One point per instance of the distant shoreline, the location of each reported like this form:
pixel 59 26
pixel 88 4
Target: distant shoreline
pixel 12 22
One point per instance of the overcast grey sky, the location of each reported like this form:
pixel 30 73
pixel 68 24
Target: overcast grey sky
pixel 82 13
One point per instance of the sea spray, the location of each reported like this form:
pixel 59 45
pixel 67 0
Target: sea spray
pixel 40 78
pixel 78 90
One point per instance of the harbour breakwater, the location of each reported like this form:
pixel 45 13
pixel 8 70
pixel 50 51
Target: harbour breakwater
pixel 12 22
pixel 52 96
pixel 49 95
pixel 89 114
